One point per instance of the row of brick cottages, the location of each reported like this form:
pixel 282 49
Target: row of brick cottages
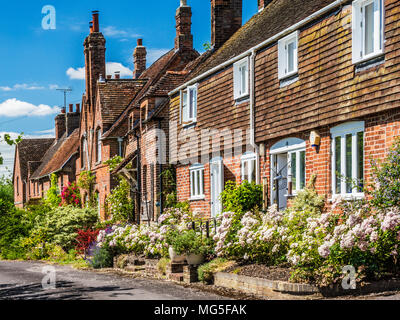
pixel 314 93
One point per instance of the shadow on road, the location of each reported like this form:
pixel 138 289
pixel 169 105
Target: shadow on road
pixel 64 290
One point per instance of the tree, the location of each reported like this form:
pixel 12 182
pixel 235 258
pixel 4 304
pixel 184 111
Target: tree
pixel 10 142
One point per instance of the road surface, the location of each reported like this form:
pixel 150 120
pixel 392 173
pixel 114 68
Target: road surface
pixel 23 280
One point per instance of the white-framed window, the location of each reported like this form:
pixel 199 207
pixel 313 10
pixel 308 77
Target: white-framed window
pixel 98 145
pixel 348 159
pixel 241 78
pixel 297 169
pixel 189 105
pixel 368 29
pixel 84 153
pixel 197 182
pixel 249 167
pixel 288 55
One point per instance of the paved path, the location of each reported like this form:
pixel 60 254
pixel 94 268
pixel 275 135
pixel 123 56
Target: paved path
pixel 23 280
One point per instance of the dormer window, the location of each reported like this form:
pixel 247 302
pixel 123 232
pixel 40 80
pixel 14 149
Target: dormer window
pixel 241 79
pixel 368 29
pixel 288 56
pixel 189 105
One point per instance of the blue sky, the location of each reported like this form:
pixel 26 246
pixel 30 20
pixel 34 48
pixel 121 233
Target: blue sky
pixel 34 61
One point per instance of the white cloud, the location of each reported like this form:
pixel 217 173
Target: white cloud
pixel 50 133
pixel 154 54
pixel 76 74
pixel 111 67
pixel 17 108
pixel 53 86
pixel 22 86
pixel 114 32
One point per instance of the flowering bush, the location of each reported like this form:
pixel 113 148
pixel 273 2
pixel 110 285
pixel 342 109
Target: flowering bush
pixel 118 204
pixel 70 195
pixel 84 239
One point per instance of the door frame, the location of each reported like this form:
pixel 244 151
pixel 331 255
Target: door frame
pixel 216 161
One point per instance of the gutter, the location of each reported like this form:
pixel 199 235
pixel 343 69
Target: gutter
pixel 272 39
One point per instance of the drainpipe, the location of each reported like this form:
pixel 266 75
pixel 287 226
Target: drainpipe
pixel 160 169
pixel 139 172
pixel 252 114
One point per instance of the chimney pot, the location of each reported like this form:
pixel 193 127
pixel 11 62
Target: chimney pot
pixel 109 77
pixel 117 75
pixel 139 59
pixel 184 37
pixel 139 42
pixel 91 26
pixel 95 21
pixel 78 108
pixel 63 110
pixel 71 108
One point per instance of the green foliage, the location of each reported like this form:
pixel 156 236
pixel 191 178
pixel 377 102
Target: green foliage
pixel 114 162
pixel 162 265
pixel 53 198
pixel 206 271
pixel 60 225
pixel 386 191
pixel 102 258
pixel 207 46
pixel 10 142
pixel 241 198
pixel 86 182
pixel 119 204
pixel 188 242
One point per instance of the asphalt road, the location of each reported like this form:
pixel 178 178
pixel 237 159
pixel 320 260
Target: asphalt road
pixel 23 280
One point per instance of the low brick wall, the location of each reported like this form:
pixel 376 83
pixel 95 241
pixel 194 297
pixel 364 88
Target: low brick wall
pixel 261 287
pixel 265 287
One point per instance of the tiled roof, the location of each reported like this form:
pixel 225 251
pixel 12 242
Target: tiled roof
pixel 152 75
pixel 275 18
pixel 115 95
pixel 167 83
pixel 31 150
pixel 58 154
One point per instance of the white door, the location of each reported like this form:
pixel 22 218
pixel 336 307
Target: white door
pixel 217 185
pixel 279 180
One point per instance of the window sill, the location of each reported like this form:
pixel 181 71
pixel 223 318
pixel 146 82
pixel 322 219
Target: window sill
pixel 288 80
pixel 369 63
pixel 243 98
pixel 348 197
pixel 189 125
pixel 198 198
pixel 368 58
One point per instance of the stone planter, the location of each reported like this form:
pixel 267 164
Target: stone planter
pixel 176 258
pixel 195 259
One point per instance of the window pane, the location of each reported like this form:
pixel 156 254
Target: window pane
pixel 192 183
pixel 360 149
pixel 245 171
pixel 198 182
pixel 291 52
pixel 369 28
pixel 184 107
pixel 293 160
pixel 349 163
pixel 338 167
pixel 243 79
pixel 253 170
pixel 302 170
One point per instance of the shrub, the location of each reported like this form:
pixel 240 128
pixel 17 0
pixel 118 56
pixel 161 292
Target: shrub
pixel 70 196
pixel 119 203
pixel 187 242
pixel 53 198
pixel 84 239
pixel 206 271
pixel 60 225
pixel 101 259
pixel 162 265
pixel 241 198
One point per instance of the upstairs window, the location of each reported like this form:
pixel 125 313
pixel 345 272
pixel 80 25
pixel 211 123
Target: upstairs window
pixel 189 105
pixel 249 164
pixel 84 153
pixel 197 182
pixel 348 159
pixel 287 56
pixel 368 29
pixel 241 79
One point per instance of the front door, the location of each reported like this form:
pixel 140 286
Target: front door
pixel 217 185
pixel 279 180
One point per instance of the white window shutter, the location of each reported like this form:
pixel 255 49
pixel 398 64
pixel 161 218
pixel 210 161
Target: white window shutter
pixel 184 106
pixel 236 81
pixel 281 59
pixel 357 32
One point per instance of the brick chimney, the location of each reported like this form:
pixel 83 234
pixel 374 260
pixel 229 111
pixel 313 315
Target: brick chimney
pixel 139 59
pixel 95 61
pixel 73 119
pixel 263 4
pixel 226 19
pixel 60 124
pixel 184 37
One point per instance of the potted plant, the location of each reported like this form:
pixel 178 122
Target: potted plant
pixel 175 251
pixel 191 245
